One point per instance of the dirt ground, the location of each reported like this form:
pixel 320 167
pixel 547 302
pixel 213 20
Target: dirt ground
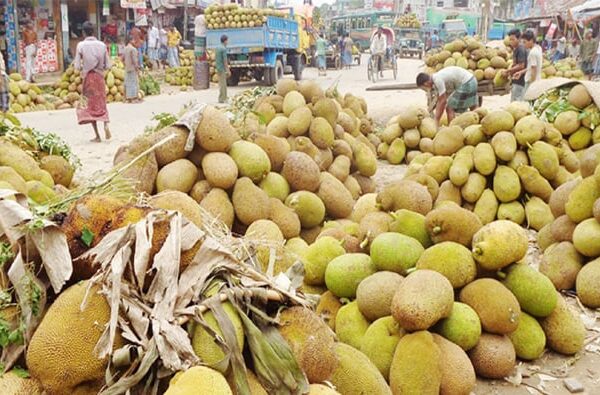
pixel 545 376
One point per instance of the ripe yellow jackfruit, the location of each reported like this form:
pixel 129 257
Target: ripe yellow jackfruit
pixel 199 380
pixel 61 352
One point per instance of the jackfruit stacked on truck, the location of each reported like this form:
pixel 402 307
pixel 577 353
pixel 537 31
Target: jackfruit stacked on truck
pixel 267 50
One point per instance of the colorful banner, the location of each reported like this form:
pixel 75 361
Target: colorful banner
pixel 11 35
pixel 46 60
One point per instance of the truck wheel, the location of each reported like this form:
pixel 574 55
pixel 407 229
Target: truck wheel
pixel 297 67
pixel 273 74
pixel 234 79
pixel 258 74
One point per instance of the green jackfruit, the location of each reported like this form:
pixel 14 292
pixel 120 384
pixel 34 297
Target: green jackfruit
pixel 379 343
pixel 461 327
pixel 316 258
pixel 452 223
pixel 356 374
pixel 410 224
pixel 538 213
pixel 416 367
pixel 513 211
pixel 451 259
pixel 351 325
pixel 484 158
pixel 534 291
pixel 498 244
pixel 458 374
pixel 580 203
pixel 586 238
pixel 507 185
pixel 395 252
pixel 588 279
pixel 344 273
pixel 375 293
pixel 544 158
pixel 486 207
pixel 528 339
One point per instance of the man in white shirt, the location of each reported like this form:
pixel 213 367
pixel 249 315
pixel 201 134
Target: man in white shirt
pixel 378 48
pixel 153 44
pixel 533 72
pixel 456 90
pixel 200 37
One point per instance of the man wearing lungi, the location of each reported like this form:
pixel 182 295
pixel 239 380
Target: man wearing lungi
pixel 456 90
pixel 91 59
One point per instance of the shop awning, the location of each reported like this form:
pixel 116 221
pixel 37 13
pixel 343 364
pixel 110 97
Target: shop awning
pixel 156 4
pixel 586 11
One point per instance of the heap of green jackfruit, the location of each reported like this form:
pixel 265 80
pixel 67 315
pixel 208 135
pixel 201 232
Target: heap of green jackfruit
pixel 501 164
pixel 296 157
pixel 469 53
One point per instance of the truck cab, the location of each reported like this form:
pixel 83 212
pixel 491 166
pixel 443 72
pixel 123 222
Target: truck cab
pixel 452 28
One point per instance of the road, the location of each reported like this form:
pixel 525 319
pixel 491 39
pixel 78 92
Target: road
pixel 129 120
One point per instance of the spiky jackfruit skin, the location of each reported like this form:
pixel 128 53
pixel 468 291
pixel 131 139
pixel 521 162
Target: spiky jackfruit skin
pixel 199 380
pixel 458 374
pixel 379 343
pixel 311 341
pixel 416 368
pixel 88 214
pixel 564 329
pixel 356 374
pixel 498 244
pixel 61 352
pixel 13 384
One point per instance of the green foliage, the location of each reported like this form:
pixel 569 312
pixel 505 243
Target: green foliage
pixel 149 85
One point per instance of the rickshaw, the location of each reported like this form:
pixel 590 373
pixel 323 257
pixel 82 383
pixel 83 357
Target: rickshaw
pixel 389 59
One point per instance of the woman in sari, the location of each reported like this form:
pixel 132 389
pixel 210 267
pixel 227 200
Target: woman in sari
pixel 91 59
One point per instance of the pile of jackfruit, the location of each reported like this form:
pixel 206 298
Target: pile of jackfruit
pixel 469 53
pixel 420 286
pixel 232 16
pixel 179 76
pixel 25 96
pixel 566 67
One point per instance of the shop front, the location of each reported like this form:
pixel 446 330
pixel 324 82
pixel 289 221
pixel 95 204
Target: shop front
pixel 45 16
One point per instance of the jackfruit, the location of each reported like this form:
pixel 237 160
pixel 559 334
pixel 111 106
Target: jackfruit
pixel 565 332
pixel 375 293
pixel 451 259
pixel 249 201
pixel 180 175
pixel 199 379
pixel 344 273
pixel 252 161
pixel 452 223
pixel 356 374
pixel 405 194
pixel 461 327
pixel 580 203
pixel 528 339
pixel 337 199
pixel 493 357
pixel 214 132
pixel 586 285
pixel 317 257
pixel 311 341
pixel 308 206
pixel 410 224
pixel 301 172
pixel 350 325
pixel 416 367
pixel 534 291
pixel 586 238
pixel 434 302
pixel 458 374
pixel 496 306
pixel 498 244
pixel 395 252
pixel 60 361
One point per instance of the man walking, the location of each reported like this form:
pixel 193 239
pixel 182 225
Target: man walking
pixel 222 66
pixel 378 48
pixel 153 44
pixel 519 63
pixel 456 91
pixel 533 71
pixel 173 40
pixel 91 58
pixel 321 54
pixel 587 51
pixel 30 39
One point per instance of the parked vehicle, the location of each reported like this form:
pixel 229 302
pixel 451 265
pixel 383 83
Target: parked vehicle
pixel 360 25
pixel 452 28
pixel 266 51
pixel 409 43
pixel 389 59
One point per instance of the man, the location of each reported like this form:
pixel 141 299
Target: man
pixel 573 49
pixel 456 91
pixel 4 83
pixel 173 39
pixel 153 44
pixel 533 71
pixel 91 58
pixel 132 67
pixel 561 49
pixel 163 49
pixel 200 37
pixel 587 51
pixel 378 48
pixel 222 66
pixel 519 63
pixel 30 39
pixel 322 54
pixel 347 50
pixel 435 39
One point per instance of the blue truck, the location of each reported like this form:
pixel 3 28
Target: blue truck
pixel 268 51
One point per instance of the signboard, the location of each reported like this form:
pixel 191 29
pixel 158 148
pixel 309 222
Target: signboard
pixel 384 5
pixel 368 4
pixel 133 3
pixel 551 31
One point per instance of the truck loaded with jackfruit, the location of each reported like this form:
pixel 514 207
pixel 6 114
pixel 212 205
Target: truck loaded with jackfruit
pixel 267 49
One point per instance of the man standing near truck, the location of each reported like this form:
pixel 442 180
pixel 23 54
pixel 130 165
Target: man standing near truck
pixel 222 68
